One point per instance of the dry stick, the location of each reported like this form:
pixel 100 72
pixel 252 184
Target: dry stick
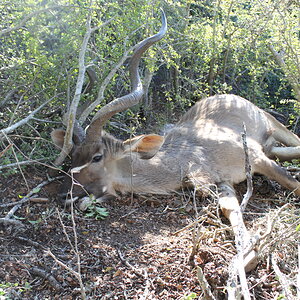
pixel 28 196
pixel 74 273
pixel 16 205
pixel 282 278
pixel 125 262
pixel 5 150
pixel 23 163
pixel 77 274
pixel 71 116
pixel 46 275
pixel 16 158
pixel 204 285
pixel 74 246
pixel 30 242
pixel 237 265
pixel 271 225
pixel 5 131
pixel 238 261
pixel 249 192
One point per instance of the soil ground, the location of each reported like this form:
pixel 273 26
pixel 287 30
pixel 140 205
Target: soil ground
pixel 141 250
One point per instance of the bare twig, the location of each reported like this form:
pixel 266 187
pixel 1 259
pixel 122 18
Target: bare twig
pixel 74 247
pixel 71 115
pixel 204 285
pixel 249 192
pixel 74 273
pixel 28 196
pixel 4 151
pixel 23 163
pixel 30 242
pixel 271 225
pixel 233 292
pixel 13 127
pixel 282 279
pixel 46 275
pixel 125 262
pixel 7 221
pixel 238 261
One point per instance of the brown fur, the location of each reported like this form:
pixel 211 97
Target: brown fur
pixel 204 148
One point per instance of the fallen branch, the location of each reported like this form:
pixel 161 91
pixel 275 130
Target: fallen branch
pixel 249 192
pixel 233 291
pixel 4 151
pixel 204 285
pixel 238 261
pixel 77 275
pixel 29 195
pixel 125 262
pixel 282 279
pixel 30 242
pixel 46 275
pixel 23 163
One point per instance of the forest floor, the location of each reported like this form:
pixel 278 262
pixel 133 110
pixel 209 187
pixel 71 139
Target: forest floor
pixel 143 248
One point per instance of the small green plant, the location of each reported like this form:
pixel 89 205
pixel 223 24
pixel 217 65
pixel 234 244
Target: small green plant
pixel 95 211
pixel 189 297
pixel 5 289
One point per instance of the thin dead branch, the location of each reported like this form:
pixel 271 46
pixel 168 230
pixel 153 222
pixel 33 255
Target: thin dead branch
pixel 249 192
pixel 46 275
pixel 4 151
pixel 30 242
pixel 77 275
pixel 5 131
pixel 71 115
pixel 23 163
pixel 26 198
pixel 204 285
pixel 284 281
pixel 130 266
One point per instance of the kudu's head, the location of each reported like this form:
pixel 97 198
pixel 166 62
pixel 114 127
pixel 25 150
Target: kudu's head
pixel 95 152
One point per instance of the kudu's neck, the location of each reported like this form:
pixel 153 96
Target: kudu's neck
pixel 165 172
pixel 157 175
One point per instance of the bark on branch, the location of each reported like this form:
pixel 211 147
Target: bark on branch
pixel 13 127
pixel 294 81
pixel 71 115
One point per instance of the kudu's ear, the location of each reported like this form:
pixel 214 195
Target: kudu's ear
pixel 145 145
pixel 57 137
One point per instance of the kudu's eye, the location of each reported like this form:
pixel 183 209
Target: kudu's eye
pixel 97 158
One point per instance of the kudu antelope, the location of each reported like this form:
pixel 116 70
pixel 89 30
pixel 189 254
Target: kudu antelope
pixel 203 149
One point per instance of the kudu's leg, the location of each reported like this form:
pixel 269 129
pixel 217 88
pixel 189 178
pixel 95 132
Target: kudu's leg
pixel 269 168
pixel 286 153
pixel 231 209
pixel 284 136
